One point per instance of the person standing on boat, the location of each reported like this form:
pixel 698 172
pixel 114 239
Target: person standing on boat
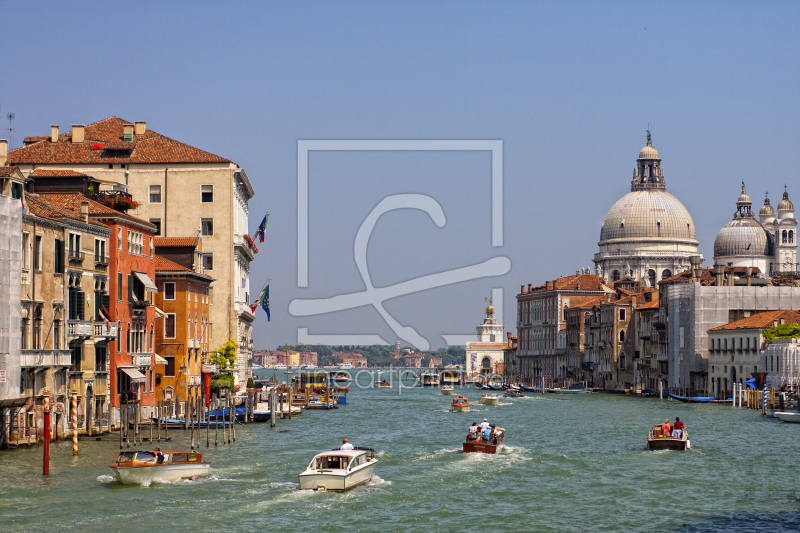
pixel 473 432
pixel 665 428
pixel 678 426
pixel 485 425
pixel 346 445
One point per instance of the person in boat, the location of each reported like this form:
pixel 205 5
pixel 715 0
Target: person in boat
pixel 666 430
pixel 346 445
pixel 493 438
pixel 485 425
pixel 487 434
pixel 472 434
pixel 159 456
pixel 677 428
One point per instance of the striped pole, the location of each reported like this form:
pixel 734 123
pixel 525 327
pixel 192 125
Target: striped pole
pixel 74 422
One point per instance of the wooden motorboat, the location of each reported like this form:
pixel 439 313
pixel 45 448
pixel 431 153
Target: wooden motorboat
pixel 448 390
pixel 382 383
pixel 788 416
pixel 339 470
pixel 139 467
pixel 340 376
pixel 460 404
pixel 656 440
pixel 513 392
pixel 482 446
pixel 489 399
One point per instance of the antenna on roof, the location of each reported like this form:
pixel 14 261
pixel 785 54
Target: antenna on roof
pixel 10 117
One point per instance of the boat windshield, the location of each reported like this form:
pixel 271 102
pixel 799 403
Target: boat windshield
pixel 145 457
pixel 331 462
pixel 125 457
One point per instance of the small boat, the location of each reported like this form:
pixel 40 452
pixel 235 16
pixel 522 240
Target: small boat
pixel 340 376
pixel 448 390
pixel 489 399
pixel 482 446
pixel 513 392
pixel 429 379
pixel 530 389
pixel 346 366
pixel 339 470
pixel 460 404
pixel 145 466
pixel 692 399
pixel 554 390
pixel 576 391
pixel 382 383
pixel 280 366
pixel 788 416
pixel 656 440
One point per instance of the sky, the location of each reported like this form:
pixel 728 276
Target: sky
pixel 570 89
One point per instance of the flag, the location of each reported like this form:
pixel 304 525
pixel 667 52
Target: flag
pixel 265 300
pixel 262 228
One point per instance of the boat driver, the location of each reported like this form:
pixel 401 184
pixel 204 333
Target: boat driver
pixel 346 445
pixel 159 456
pixel 485 424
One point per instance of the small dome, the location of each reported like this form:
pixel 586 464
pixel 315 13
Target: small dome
pixel 766 210
pixel 743 237
pixel 490 311
pixel 785 204
pixel 744 198
pixel 648 152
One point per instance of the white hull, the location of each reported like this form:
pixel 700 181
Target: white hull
pixel 336 480
pixel 460 409
pixel 492 399
pixel 788 416
pixel 447 391
pixel 136 475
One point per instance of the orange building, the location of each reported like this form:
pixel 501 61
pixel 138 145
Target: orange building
pixel 183 332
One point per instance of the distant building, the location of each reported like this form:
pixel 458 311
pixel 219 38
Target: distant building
pixel 355 359
pixel 434 362
pixel 413 360
pixel 485 356
pixel 308 358
pixel 781 363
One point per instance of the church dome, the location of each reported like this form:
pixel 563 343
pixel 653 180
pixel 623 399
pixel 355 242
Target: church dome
pixel 743 237
pixel 766 209
pixel 648 152
pixel 785 204
pixel 648 215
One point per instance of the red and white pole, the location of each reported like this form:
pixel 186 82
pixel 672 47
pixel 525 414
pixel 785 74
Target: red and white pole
pixel 74 422
pixel 46 463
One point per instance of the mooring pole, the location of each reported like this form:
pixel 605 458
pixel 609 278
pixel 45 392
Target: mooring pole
pixel 46 458
pixel 74 422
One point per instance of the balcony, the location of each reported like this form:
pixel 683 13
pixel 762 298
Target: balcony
pixel 104 330
pixel 241 246
pixel 142 359
pixel 644 334
pixel 79 328
pixel 44 358
pixel 75 255
pixel 101 260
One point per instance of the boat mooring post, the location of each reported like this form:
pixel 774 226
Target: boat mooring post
pixel 273 404
pixel 74 422
pixel 660 391
pixel 46 456
pixel 160 410
pixel 207 411
pixel 233 418
pixel 121 431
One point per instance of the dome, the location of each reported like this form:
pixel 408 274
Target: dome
pixel 647 215
pixel 766 210
pixel 743 237
pixel 785 204
pixel 648 152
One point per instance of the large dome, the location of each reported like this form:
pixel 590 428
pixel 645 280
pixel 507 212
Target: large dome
pixel 648 215
pixel 743 237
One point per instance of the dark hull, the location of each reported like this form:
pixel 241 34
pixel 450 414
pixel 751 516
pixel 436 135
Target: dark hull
pixel 667 444
pixel 692 399
pixel 482 447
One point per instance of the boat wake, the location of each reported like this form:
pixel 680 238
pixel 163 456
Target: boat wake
pixel 383 453
pixel 427 456
pixel 106 479
pixel 377 481
pixel 505 403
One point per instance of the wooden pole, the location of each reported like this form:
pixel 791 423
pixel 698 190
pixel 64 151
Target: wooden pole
pixel 216 418
pixel 273 405
pixel 121 428
pixel 74 422
pixel 207 410
pixel 166 423
pixel 232 412
pixel 127 425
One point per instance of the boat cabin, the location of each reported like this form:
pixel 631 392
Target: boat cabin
pixel 153 457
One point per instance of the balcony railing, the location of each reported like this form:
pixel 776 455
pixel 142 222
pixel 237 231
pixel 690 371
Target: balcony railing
pixel 644 334
pixel 75 255
pixel 102 329
pixel 79 328
pixel 142 359
pixel 101 260
pixel 43 358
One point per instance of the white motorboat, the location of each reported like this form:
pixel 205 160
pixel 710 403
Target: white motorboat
pixel 788 416
pixel 136 468
pixel 346 366
pixel 339 470
pixel 448 390
pixel 490 399
pixel 280 366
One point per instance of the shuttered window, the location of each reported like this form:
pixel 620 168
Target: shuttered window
pixel 58 260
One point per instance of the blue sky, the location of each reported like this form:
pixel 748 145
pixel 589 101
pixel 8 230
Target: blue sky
pixel 570 88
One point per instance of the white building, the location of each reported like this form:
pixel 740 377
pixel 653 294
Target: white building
pixel 648 235
pixel 781 363
pixel 485 356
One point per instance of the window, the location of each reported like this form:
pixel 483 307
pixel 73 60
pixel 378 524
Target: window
pixel 169 326
pixel 667 273
pixel 119 239
pixel 207 226
pixel 56 334
pixel 100 359
pixel 37 328
pixel 100 251
pixel 119 286
pixel 26 242
pixel 169 368
pixel 58 259
pixel 621 336
pixel 128 339
pixel 206 193
pixel 189 292
pixel 155 194
pixel 157 223
pixel 210 330
pixel 16 190
pixel 77 304
pixel 169 291
pixel 622 314
pixel 119 339
pixel 615 275
pixel 208 261
pixel 37 253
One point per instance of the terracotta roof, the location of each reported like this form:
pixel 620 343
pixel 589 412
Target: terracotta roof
pixel 588 304
pixel 582 282
pixel 6 172
pixel 150 147
pixel 73 202
pixel 653 304
pixel 44 173
pixel 761 320
pixel 42 206
pixel 168 242
pixel 165 265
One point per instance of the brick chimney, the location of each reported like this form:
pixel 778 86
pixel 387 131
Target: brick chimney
pixel 53 133
pixel 85 210
pixel 77 133
pixel 140 128
pixel 3 152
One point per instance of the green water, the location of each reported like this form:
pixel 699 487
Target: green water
pixel 571 463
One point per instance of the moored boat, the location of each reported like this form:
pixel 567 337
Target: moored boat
pixel 482 446
pixel 339 470
pixel 656 440
pixel 576 391
pixel 788 416
pixel 429 379
pixel 489 399
pixel 691 399
pixel 448 390
pixel 139 467
pixel 460 404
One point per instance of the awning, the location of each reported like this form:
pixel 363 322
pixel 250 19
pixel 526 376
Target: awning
pixel 160 360
pixel 146 281
pixel 159 312
pixel 135 375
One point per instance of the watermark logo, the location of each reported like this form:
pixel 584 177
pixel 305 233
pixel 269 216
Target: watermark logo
pixel 376 296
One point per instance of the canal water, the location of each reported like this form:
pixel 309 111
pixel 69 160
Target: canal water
pixel 570 463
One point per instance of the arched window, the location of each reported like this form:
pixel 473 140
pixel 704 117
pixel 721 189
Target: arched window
pixel 666 274
pixel 621 336
pixel 785 237
pixel 651 274
pixel 791 237
pixel 615 275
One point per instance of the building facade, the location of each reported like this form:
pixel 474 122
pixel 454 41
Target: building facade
pixel 485 355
